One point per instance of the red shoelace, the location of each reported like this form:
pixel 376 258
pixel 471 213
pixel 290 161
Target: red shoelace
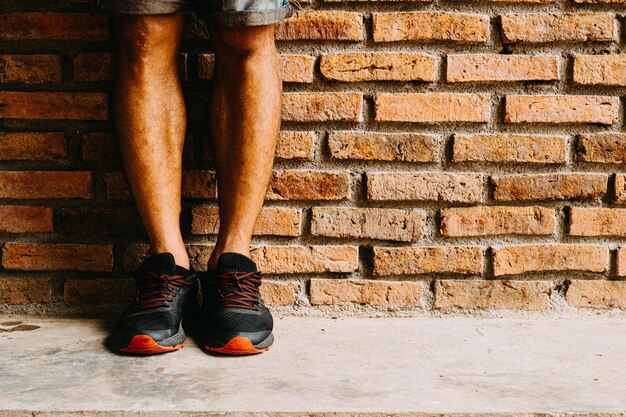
pixel 239 289
pixel 158 290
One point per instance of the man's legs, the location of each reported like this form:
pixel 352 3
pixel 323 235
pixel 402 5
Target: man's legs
pixel 245 121
pixel 150 123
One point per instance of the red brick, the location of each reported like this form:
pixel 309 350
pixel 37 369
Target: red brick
pixel 367 66
pixel 280 221
pixel 558 186
pixel 496 221
pixel 427 26
pixel 597 221
pixel 18 146
pixel 31 26
pixel 411 147
pixel 25 219
pixel 100 146
pixel 309 185
pixel 93 66
pixel 620 189
pixel 552 27
pixel 621 262
pixel 24 291
pixel 492 295
pixel 53 105
pixel 101 221
pixel 552 257
pixel 30 69
pixel 596 294
pixel 295 145
pixel 199 184
pixel 432 107
pixel 322 107
pixel 368 223
pixel 562 109
pixel 425 186
pixel 57 257
pixel 366 292
pixel 288 259
pixel 98 291
pixel 605 147
pixel 495 67
pixel 507 147
pixel 321 26
pixel 294 68
pixel 277 294
pixel 427 260
pixel 45 184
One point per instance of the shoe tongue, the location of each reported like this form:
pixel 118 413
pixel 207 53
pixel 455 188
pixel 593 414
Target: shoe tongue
pixel 232 261
pixel 161 263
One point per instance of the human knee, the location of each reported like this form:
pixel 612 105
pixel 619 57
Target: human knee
pixel 241 42
pixel 140 37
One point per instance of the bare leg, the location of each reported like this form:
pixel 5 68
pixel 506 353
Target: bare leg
pixel 150 123
pixel 245 120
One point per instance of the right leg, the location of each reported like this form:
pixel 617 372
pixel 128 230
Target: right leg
pixel 150 123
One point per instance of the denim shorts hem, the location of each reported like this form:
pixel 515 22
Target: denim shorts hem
pixel 143 7
pixel 250 17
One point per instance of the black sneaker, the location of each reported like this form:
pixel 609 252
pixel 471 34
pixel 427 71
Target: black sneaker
pixel 154 322
pixel 235 320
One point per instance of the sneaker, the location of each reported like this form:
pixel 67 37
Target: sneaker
pixel 154 322
pixel 234 319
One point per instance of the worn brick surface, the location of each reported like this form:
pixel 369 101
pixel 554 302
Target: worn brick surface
pixel 432 107
pixel 19 290
pixel 492 295
pixel 520 259
pixel 53 26
pixel 93 66
pixel 427 260
pixel 293 68
pixel 18 146
pixel 605 147
pixel 45 184
pixel 98 291
pixel 288 259
pixel 524 187
pixel 57 256
pixel 410 147
pixel 368 223
pixel 497 220
pixel 561 109
pixel 30 69
pixel 620 189
pixel 321 25
pixel 309 185
pixel 57 105
pixel 323 107
pixel 437 26
pixel 425 186
pixel 281 221
pixel 597 222
pixel 295 145
pixel 24 219
pixel 554 27
pixel 495 67
pixel 596 294
pixel 375 293
pixel 513 148
pixel 275 293
pixel 378 67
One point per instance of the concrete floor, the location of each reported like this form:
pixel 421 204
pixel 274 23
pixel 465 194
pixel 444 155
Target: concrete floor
pixel 350 365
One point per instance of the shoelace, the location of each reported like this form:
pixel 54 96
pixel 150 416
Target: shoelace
pixel 239 289
pixel 158 290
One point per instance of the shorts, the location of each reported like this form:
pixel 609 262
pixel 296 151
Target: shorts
pixel 225 12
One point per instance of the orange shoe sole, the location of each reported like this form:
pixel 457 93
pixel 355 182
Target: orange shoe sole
pixel 145 345
pixel 237 346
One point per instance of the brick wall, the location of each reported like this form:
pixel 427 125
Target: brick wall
pixel 435 155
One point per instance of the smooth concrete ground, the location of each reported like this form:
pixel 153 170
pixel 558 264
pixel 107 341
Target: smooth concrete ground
pixel 350 365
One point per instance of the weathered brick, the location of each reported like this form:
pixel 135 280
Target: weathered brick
pixel 57 257
pixel 604 147
pixel 93 66
pixel 425 186
pixel 22 146
pixel 199 184
pixel 322 107
pixel 45 184
pixel 368 66
pixel 432 107
pixel 600 1
pixel 520 259
pixel 98 291
pixel 508 147
pixel 30 69
pixel 410 147
pixel 427 260
pixel 287 259
pixel 495 67
pixel 553 27
pixel 295 145
pixel 597 221
pixel 426 26
pixel 366 292
pixel 53 105
pixel 16 290
pixel 596 294
pixel 557 186
pixel 280 221
pixel 492 295
pixel 404 225
pixel 600 69
pixel 620 189
pixel 621 261
pixel 101 221
pixel 293 68
pixel 25 219
pixel 275 294
pixel 309 185
pixel 321 26
pixel 100 146
pixel 497 220
pixel 561 109
pixel 31 26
